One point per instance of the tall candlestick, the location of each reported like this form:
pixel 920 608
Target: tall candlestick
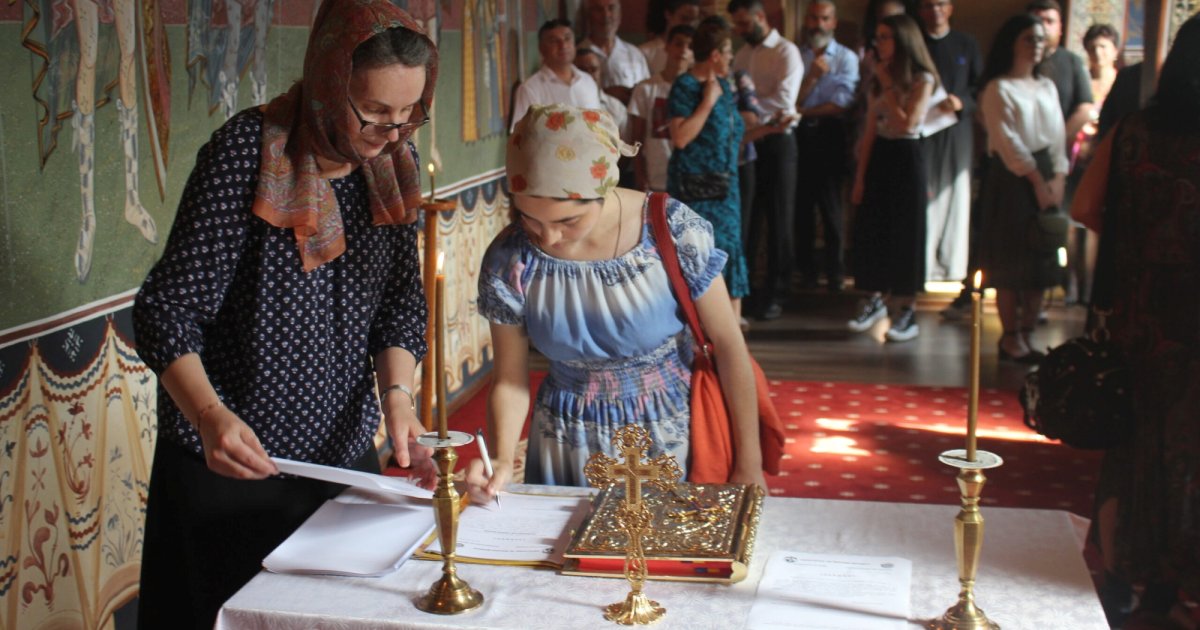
pixel 439 323
pixel 976 328
pixel 432 184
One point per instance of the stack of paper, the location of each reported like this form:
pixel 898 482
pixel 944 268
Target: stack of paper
pixel 530 530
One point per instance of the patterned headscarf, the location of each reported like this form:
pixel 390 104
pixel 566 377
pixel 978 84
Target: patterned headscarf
pixel 307 121
pixel 563 151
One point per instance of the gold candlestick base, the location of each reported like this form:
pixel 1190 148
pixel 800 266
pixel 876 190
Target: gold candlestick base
pixel 968 540
pixel 637 609
pixel 450 594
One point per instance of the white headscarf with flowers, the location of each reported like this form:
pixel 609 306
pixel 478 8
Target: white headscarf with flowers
pixel 565 152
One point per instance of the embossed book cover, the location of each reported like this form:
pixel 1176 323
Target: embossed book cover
pixel 700 532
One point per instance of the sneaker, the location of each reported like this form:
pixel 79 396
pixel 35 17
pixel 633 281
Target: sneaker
pixel 873 310
pixel 904 327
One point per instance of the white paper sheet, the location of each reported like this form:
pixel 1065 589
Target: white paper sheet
pixel 357 479
pixel 354 538
pixel 811 591
pixel 528 529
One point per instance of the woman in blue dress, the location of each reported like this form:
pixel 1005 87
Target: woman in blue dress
pixel 578 276
pixel 706 136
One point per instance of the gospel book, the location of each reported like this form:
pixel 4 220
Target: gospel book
pixel 700 533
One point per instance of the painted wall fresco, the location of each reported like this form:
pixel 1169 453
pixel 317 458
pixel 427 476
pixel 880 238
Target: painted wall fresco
pixel 96 142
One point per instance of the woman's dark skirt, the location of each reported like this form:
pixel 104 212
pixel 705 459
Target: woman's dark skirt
pixel 1007 207
pixel 207 535
pixel 889 229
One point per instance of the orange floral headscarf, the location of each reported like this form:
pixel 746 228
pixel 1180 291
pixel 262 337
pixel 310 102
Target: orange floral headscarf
pixel 565 152
pixel 307 122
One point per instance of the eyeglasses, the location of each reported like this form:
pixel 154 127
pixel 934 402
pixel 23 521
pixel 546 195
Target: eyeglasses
pixel 385 128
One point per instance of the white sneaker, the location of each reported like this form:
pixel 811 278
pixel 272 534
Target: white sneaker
pixel 872 311
pixel 904 327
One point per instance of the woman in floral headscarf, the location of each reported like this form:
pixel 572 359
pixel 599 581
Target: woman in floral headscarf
pixel 288 289
pixel 578 276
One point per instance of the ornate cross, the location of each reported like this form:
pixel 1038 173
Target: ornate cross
pixel 632 443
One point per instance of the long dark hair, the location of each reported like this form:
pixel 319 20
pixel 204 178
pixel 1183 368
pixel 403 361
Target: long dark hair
pixel 910 56
pixel 1000 57
pixel 1176 103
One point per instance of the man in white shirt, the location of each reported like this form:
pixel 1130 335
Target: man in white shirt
pixel 558 81
pixel 774 65
pixel 675 13
pixel 624 65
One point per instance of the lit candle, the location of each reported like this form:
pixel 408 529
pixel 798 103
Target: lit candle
pixel 432 185
pixel 439 365
pixel 976 328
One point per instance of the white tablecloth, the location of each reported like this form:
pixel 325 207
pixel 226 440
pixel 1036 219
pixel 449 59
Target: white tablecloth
pixel 1032 575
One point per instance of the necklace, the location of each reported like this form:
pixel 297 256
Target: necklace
pixel 620 217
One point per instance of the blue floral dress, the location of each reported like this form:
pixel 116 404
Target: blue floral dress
pixel 619 353
pixel 714 150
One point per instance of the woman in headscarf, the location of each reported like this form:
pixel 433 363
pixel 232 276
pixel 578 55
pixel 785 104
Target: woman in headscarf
pixel 578 276
pixel 288 290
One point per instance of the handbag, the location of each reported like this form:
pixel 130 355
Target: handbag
pixel 704 186
pixel 1081 391
pixel 1047 230
pixel 711 426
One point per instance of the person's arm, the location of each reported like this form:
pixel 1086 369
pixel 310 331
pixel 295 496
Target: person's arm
pixel 909 110
pixel 685 129
pixel 619 92
pixel 185 291
pixel 1078 118
pixel 508 406
pixel 520 105
pixel 757 132
pixel 737 381
pixel 230 446
pixel 1087 204
pixel 396 366
pixel 1000 119
pixel 864 156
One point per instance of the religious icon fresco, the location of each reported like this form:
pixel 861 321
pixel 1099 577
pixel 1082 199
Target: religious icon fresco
pixel 83 45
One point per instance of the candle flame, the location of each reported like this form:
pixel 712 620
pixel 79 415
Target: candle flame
pixel 441 257
pixel 430 168
pixel 978 279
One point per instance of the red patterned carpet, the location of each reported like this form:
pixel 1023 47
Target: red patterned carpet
pixel 881 442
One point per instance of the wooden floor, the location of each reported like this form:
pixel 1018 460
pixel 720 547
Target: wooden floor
pixel 811 343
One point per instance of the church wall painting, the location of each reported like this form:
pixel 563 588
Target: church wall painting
pixel 77 407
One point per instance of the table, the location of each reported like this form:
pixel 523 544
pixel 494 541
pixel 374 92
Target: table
pixel 1032 575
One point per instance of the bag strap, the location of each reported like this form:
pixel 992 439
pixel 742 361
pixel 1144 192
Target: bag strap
pixel 670 259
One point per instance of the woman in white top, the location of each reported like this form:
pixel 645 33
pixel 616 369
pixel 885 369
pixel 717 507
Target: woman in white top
pixel 889 185
pixel 1025 175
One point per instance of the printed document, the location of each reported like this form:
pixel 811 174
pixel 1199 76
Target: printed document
pixel 529 530
pixel 355 478
pixel 810 591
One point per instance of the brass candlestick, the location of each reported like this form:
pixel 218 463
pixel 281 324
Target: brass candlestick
pixel 451 594
pixel 968 540
pixel 633 516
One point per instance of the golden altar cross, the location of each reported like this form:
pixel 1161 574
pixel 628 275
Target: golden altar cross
pixel 632 443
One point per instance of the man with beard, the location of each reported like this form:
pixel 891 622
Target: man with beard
pixel 826 93
pixel 949 152
pixel 624 64
pixel 1065 69
pixel 774 65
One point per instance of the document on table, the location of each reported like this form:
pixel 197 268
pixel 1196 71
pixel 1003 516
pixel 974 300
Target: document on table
pixel 351 535
pixel 355 478
pixel 530 529
pixel 806 590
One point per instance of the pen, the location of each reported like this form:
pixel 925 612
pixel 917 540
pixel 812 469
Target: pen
pixel 487 459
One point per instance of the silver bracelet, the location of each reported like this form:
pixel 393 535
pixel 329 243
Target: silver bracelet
pixel 412 401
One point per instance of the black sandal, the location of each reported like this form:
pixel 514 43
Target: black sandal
pixel 1029 358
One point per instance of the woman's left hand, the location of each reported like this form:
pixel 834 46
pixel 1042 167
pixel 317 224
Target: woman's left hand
pixel 403 427
pixel 755 477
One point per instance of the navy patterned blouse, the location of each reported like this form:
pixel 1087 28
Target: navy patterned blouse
pixel 290 352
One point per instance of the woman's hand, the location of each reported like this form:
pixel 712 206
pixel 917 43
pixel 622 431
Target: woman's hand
pixel 755 477
pixel 482 489
pixel 1046 196
pixel 231 448
pixel 712 90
